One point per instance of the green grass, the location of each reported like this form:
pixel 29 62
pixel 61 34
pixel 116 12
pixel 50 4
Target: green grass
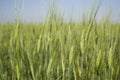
pixel 60 51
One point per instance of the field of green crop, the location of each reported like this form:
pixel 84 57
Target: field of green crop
pixel 60 51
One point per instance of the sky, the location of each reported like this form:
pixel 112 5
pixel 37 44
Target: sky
pixel 37 10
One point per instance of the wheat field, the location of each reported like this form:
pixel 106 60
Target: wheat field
pixel 55 50
pixel 60 51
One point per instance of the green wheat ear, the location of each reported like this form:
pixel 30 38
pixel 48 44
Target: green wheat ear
pixel 49 66
pixel 82 42
pixel 99 58
pixel 71 55
pixel 16 31
pixel 110 58
pixel 38 44
pixel 17 72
